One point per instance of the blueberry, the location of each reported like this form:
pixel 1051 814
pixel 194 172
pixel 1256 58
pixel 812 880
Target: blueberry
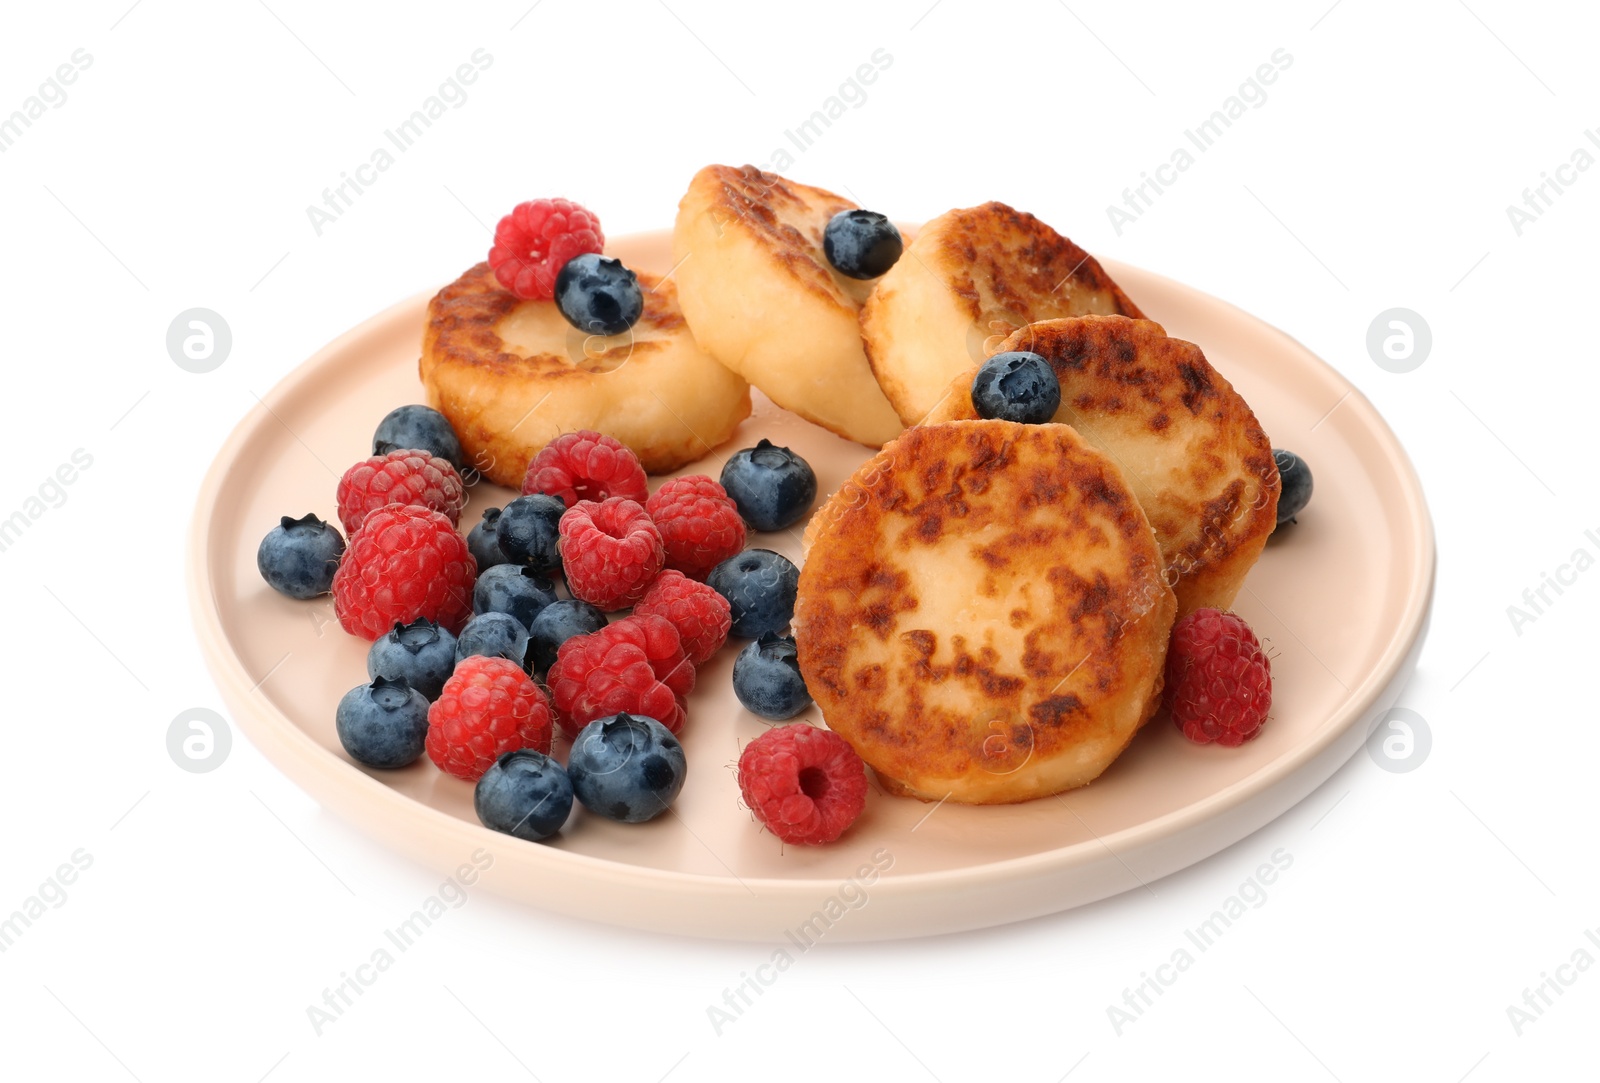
pixel 1296 478
pixel 598 295
pixel 626 767
pixel 760 587
pixel 513 589
pixel 495 635
pixel 766 678
pixel 861 244
pixel 420 653
pixel 771 486
pixel 420 427
pixel 1016 386
pixel 299 556
pixel 482 543
pixel 383 724
pixel 524 793
pixel 527 531
pixel 557 623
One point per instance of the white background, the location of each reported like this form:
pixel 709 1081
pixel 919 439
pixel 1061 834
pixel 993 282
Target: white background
pixel 1377 174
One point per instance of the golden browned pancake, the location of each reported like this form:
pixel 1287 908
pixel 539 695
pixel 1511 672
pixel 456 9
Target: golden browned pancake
pixel 982 612
pixel 512 375
pixel 762 298
pixel 969 279
pixel 1188 444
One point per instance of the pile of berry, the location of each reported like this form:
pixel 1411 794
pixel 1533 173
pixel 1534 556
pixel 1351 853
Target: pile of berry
pixel 479 659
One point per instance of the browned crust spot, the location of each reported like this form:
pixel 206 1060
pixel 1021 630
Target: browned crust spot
pixel 1130 371
pixel 1039 496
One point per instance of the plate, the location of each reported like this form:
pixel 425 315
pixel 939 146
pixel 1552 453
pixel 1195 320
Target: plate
pixel 1341 600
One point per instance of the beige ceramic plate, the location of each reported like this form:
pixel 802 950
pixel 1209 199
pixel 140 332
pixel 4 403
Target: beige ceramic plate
pixel 1342 597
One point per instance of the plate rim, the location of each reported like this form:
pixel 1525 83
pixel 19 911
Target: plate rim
pixel 282 741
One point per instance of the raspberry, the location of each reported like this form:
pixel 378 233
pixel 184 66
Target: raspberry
pixel 700 526
pixel 534 241
pixel 610 551
pixel 402 476
pixel 633 665
pixel 405 562
pixel 488 707
pixel 700 615
pixel 586 465
pixel 1219 680
pixel 806 784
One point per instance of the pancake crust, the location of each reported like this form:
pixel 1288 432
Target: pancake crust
pixel 762 298
pixel 971 277
pixel 982 612
pixel 512 375
pixel 1188 443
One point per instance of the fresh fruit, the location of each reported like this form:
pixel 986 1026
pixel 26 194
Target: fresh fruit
pixel 493 635
pixel 760 296
pixel 422 428
pixel 970 278
pixel 513 589
pixel 699 614
pixel 405 476
pixel 766 678
pixel 383 724
pixel 483 543
pixel 405 562
pixel 1016 386
pixel 524 793
pixel 1189 445
pixel 611 551
pixel 299 557
pixel 534 241
pixel 512 376
pixel 1295 475
pixel 528 532
pixel 1219 680
pixel 557 623
pixel 626 767
pixel 599 296
pixel 983 612
pixel 420 653
pixel 861 243
pixel 488 707
pixel 760 588
pixel 700 525
pixel 586 465
pixel 772 486
pixel 806 784
pixel 635 664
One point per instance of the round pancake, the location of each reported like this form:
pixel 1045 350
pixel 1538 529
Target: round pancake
pixel 512 375
pixel 971 277
pixel 763 299
pixel 1189 445
pixel 982 612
